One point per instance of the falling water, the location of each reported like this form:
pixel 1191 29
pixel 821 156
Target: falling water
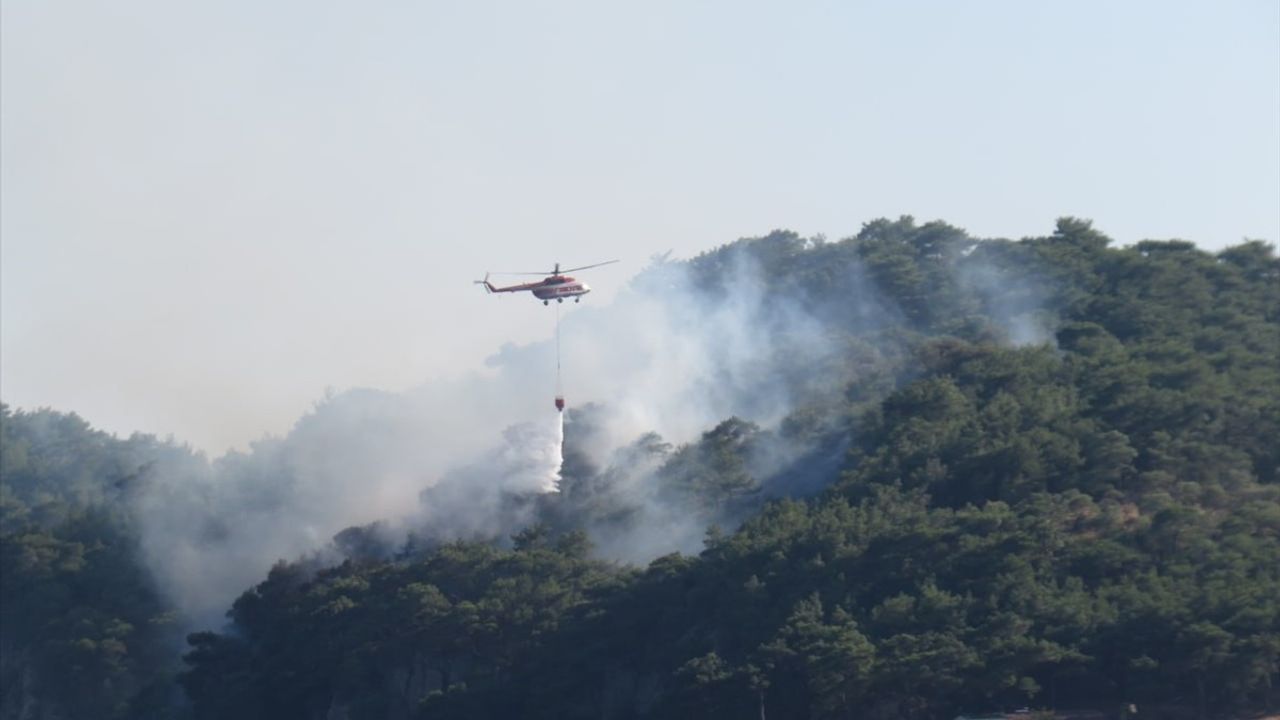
pixel 557 453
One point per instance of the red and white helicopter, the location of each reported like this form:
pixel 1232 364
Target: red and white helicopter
pixel 557 286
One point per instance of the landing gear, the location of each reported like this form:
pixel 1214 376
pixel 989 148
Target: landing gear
pixel 577 300
pixel 544 302
pixel 559 300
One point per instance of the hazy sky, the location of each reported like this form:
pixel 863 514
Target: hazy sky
pixel 211 212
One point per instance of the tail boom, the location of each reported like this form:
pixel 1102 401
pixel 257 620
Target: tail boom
pixel 488 286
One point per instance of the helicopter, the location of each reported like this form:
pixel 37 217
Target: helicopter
pixel 556 286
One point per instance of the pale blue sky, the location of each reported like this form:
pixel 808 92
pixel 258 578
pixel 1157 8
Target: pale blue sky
pixel 209 213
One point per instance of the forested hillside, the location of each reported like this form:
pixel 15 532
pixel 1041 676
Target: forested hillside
pixel 1038 473
pixel 83 631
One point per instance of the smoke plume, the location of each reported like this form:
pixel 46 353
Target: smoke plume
pixel 683 347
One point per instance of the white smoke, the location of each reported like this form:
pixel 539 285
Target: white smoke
pixel 683 347
pixel 529 458
pixel 1015 300
pixel 453 458
pixel 209 531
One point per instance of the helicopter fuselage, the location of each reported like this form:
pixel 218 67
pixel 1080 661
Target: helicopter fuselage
pixel 558 288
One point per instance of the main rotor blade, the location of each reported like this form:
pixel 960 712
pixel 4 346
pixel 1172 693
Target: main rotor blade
pixel 586 267
pixel 554 272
